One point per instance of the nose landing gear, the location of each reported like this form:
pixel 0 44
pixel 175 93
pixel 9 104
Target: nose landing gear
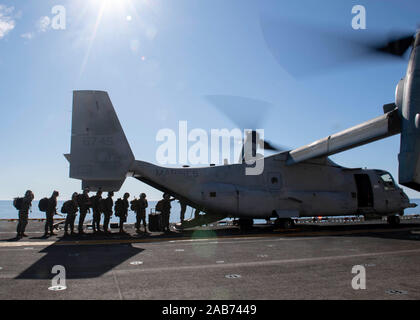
pixel 393 220
pixel 285 223
pixel 245 224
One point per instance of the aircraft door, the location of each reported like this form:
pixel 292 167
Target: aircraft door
pixel 364 191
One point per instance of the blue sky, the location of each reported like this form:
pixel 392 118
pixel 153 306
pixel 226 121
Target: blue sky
pixel 158 59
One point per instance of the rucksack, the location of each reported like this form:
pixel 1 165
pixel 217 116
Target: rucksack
pixel 17 203
pixel 93 202
pixel 135 205
pixel 65 207
pixel 119 205
pixel 80 200
pixel 84 202
pixel 159 206
pixel 43 205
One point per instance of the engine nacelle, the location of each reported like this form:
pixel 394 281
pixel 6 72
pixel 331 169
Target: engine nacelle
pixel 408 102
pixel 399 94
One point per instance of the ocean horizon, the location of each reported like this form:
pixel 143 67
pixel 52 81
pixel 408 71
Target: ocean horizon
pixel 8 211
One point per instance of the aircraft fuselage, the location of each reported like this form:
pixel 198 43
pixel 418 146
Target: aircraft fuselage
pixel 317 187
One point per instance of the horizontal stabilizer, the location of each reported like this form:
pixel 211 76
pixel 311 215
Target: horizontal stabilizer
pixel 104 185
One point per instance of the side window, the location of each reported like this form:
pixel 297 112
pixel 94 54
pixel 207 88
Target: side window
pixel 387 181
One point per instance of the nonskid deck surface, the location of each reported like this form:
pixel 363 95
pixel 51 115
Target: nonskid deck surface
pixel 311 261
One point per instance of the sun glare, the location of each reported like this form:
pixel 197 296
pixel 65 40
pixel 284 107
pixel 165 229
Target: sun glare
pixel 116 9
pixel 111 5
pixel 112 14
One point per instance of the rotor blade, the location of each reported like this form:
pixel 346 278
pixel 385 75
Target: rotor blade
pixel 303 49
pixel 246 113
pixel 397 47
pixel 266 145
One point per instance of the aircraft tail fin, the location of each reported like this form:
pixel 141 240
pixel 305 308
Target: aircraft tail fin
pixel 100 154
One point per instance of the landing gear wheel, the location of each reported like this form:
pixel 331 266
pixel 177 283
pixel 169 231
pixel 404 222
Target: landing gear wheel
pixel 285 223
pixel 393 220
pixel 245 224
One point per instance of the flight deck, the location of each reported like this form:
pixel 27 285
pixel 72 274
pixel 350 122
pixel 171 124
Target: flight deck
pixel 310 261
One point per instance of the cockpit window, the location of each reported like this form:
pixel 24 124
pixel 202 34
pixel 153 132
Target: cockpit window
pixel 388 181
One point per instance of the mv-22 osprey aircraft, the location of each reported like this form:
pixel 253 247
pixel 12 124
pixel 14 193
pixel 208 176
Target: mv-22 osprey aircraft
pixel 299 183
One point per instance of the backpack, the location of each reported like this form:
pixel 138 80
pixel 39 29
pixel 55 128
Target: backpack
pixel 17 203
pixel 43 205
pixel 84 202
pixel 119 205
pixel 159 206
pixel 80 200
pixel 65 207
pixel 135 205
pixel 93 202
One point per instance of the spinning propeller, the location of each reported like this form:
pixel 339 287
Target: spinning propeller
pixel 303 49
pixel 246 113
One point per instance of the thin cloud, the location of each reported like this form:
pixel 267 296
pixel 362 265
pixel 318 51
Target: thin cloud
pixel 7 23
pixel 43 24
pixel 28 35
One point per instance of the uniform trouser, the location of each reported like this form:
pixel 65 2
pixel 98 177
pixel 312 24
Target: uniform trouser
pixel 141 215
pixel 82 220
pixel 196 213
pixel 96 220
pixel 107 217
pixel 122 220
pixel 49 221
pixel 23 221
pixel 182 215
pixel 70 221
pixel 165 217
